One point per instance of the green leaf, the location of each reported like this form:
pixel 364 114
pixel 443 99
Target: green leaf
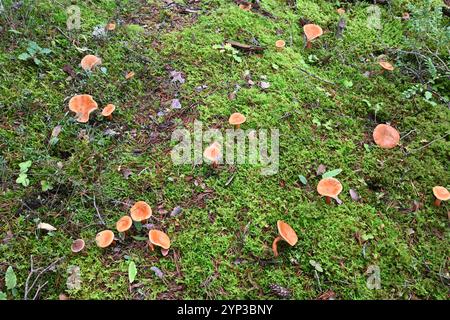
pixel 23 180
pixel 2 295
pixel 303 179
pixel 428 95
pixel 10 278
pixel 274 66
pixel 332 173
pixel 45 51
pixel 37 61
pixel 316 265
pixel 139 238
pixel 45 185
pixel 24 166
pixel 347 83
pixel 24 56
pixel 132 271
pixel 366 237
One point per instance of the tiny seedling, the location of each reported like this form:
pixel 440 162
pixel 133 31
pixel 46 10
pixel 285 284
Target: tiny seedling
pixel 23 177
pixel 34 52
pixel 229 51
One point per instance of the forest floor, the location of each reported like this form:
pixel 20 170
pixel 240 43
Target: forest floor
pixel 325 101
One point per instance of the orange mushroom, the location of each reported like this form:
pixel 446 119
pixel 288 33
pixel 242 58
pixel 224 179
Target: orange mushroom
pixel 111 26
pixel 286 233
pixel 104 238
pixel 82 105
pixel 246 6
pixel 158 238
pixel 77 245
pixel 108 110
pixel 124 224
pixel 236 119
pixel 341 11
pixel 280 44
pixel 329 188
pixel 441 194
pixel 386 65
pixel 386 136
pixel 213 154
pixel 89 62
pixel 312 31
pixel 140 211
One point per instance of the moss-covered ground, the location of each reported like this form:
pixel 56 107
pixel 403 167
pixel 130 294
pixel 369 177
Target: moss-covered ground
pixel 325 102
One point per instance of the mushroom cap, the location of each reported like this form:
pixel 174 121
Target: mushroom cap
pixel 237 118
pixel 108 110
pixel 111 26
pixel 245 6
pixel 287 233
pixel 140 211
pixel 124 224
pixel 104 238
pixel 159 238
pixel 212 153
pixel 386 136
pixel 77 245
pixel 83 105
pixel 441 193
pixel 312 31
pixel 340 11
pixel 280 43
pixel 386 65
pixel 89 62
pixel 329 187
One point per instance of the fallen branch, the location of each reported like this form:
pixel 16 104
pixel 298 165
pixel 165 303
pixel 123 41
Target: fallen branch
pixel 39 272
pixel 98 213
pixel 244 46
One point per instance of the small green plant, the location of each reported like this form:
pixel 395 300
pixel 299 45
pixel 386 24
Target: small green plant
pixel 10 282
pixel 45 185
pixel 34 52
pixel 375 108
pixel 229 51
pixel 132 271
pixel 23 177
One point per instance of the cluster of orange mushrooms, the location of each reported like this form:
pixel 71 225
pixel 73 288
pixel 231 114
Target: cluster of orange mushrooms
pixel 84 104
pixel 140 212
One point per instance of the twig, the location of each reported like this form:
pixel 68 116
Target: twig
pixel 98 213
pixel 41 271
pixel 418 149
pixel 316 77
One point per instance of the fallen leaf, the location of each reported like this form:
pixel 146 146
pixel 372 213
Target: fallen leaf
pixel 46 226
pixel 354 195
pixel 264 84
pixel 74 279
pixel 177 77
pixel 56 131
pixel 129 75
pixel 157 272
pixel 176 211
pixel 321 170
pixel 175 104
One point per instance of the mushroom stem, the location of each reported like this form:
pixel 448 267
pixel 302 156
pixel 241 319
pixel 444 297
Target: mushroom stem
pixel 437 202
pixel 151 246
pixel 109 117
pixel 328 200
pixel 214 164
pixel 237 126
pixel 308 45
pixel 275 245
